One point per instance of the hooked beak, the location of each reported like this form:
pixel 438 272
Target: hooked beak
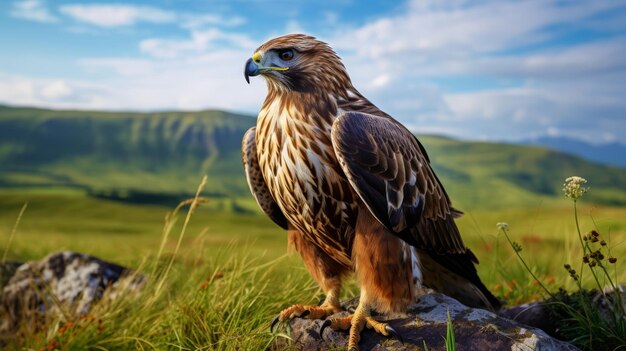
pixel 250 70
pixel 252 67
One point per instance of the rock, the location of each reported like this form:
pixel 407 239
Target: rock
pixel 425 324
pixel 544 315
pixel 7 270
pixel 65 283
pixel 533 314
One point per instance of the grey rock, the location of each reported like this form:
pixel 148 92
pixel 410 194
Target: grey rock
pixel 7 270
pixel 425 324
pixel 64 283
pixel 534 314
pixel 538 314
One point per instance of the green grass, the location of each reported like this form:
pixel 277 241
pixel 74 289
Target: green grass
pixel 232 274
pixel 450 342
pixel 73 221
pixel 590 319
pixel 549 240
pixel 210 300
pixel 229 278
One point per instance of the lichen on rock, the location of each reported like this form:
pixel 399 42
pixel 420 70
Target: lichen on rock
pixel 64 283
pixel 425 324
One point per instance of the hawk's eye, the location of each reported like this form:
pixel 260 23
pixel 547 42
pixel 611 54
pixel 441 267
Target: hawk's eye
pixel 285 55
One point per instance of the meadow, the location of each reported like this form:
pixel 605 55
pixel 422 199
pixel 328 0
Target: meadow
pixel 232 272
pixel 103 183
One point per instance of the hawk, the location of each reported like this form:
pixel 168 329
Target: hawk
pixel 354 189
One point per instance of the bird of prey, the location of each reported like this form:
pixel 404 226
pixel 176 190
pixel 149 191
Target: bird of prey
pixel 353 188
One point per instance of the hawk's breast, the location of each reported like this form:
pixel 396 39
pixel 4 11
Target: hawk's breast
pixel 299 166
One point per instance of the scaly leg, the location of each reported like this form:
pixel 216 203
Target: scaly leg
pixel 356 323
pixel 384 266
pixel 329 307
pixel 325 270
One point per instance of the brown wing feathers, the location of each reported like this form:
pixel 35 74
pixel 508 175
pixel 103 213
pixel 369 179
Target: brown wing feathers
pixel 386 167
pixel 462 265
pixel 378 172
pixel 257 184
pixel 389 169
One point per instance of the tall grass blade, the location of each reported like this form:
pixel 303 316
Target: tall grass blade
pixel 450 342
pixel 13 231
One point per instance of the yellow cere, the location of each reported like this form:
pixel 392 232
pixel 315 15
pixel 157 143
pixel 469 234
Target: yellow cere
pixel 256 57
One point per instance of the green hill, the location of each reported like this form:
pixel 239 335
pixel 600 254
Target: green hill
pixel 494 175
pixel 137 155
pixel 165 152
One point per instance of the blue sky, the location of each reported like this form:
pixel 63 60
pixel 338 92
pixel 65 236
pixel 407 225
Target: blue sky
pixel 496 70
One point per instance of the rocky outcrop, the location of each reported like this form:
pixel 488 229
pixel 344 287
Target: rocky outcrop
pixel 544 314
pixel 7 270
pixel 424 327
pixel 66 283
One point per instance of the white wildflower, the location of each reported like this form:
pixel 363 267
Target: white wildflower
pixel 573 188
pixel 502 226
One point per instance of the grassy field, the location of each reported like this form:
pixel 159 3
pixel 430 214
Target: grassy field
pixel 232 272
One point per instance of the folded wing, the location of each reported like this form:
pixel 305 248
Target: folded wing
pixel 256 182
pixel 389 169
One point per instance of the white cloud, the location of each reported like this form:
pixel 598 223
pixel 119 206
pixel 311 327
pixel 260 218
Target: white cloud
pixel 123 67
pixel 380 81
pixel 454 34
pixel 113 15
pixel 600 57
pixel 331 18
pixel 293 26
pixel 551 131
pixel 199 21
pixel 56 90
pixel 492 104
pixel 407 63
pixel 33 10
pixel 468 27
pixel 394 59
pixel 203 70
pixel 211 80
pixel 609 137
pixel 198 43
pixel 573 109
pixel 16 91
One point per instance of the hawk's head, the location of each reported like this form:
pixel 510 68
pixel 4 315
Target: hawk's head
pixel 298 62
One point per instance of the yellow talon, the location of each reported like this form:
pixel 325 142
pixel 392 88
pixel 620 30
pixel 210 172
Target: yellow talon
pixel 356 322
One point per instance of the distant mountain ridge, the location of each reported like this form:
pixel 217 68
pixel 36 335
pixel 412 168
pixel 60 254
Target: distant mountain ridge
pixel 129 154
pixel 608 153
pixel 155 152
